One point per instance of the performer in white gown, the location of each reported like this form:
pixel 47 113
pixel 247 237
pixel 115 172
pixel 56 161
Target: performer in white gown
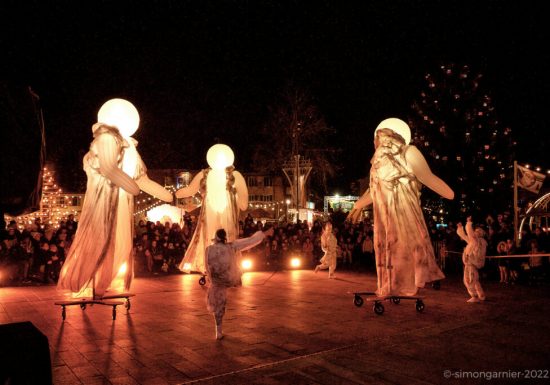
pixel 223 270
pixel 473 258
pixel 329 245
pixel 405 258
pixel 224 193
pixel 101 253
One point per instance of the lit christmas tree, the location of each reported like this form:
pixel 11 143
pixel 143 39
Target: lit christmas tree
pixel 54 205
pixel 455 125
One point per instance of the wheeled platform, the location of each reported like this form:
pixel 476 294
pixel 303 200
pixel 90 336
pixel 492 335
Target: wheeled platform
pixel 106 300
pixel 378 307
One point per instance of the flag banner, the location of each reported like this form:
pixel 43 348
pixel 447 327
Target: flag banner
pixel 529 179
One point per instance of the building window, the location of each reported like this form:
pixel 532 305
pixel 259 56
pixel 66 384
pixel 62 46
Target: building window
pixel 252 181
pixel 268 181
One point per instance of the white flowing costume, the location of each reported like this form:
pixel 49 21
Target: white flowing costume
pixel 329 245
pixel 474 254
pixel 223 271
pixel 102 247
pixel 405 259
pixel 219 213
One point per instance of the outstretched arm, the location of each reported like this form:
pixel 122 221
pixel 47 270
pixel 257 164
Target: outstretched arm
pixel 360 204
pixel 470 229
pixel 154 189
pixel 107 153
pixel 461 233
pixel 247 243
pixel 242 191
pixel 423 173
pixel 192 188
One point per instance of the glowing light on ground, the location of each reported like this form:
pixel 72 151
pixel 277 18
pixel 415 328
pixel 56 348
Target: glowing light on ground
pixel 246 264
pixel 295 262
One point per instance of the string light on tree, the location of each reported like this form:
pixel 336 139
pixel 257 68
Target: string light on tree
pixel 454 122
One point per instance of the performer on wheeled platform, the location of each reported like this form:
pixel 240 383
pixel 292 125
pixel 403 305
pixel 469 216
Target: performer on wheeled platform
pixel 405 258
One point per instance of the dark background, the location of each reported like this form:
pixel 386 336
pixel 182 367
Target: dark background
pixel 206 71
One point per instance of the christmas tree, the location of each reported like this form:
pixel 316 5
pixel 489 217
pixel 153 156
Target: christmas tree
pixel 455 125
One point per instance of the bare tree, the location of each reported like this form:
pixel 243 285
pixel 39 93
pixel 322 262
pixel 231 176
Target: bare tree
pixel 297 127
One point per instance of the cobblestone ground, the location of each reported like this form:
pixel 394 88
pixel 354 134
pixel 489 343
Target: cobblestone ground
pixel 292 327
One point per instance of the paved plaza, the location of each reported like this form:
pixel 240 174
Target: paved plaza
pixel 292 327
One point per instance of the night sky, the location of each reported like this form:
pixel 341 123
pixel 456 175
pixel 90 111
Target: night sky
pixel 202 72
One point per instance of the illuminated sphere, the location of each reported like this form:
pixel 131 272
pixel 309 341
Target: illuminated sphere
pixel 220 156
pixel 121 114
pixel 396 125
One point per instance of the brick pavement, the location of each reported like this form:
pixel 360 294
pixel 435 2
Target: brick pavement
pixel 293 327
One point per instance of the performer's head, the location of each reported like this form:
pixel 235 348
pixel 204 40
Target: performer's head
pixel 121 114
pixel 328 227
pixel 394 129
pixel 479 232
pixel 221 236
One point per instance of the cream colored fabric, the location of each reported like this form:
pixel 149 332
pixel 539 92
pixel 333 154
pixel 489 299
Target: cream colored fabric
pixel 103 241
pixel 329 245
pixel 404 255
pixel 223 271
pixel 221 214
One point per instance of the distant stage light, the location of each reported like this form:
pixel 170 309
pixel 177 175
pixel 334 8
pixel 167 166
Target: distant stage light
pixel 295 262
pixel 246 264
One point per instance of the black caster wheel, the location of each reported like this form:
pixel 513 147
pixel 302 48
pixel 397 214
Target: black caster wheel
pixel 378 308
pixel 128 305
pixel 419 306
pixel 114 312
pixel 436 285
pixel 358 301
pixel 63 313
pixel 396 300
pixel 202 281
pixel 83 306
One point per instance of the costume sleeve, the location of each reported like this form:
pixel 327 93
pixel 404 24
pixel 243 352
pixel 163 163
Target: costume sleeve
pixel 192 189
pixel 107 154
pixel 470 231
pixel 423 173
pixel 462 234
pixel 247 243
pixel 242 191
pixel 154 189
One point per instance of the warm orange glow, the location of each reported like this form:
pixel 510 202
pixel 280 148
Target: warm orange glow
pixel 295 262
pixel 187 267
pixel 246 264
pixel 123 268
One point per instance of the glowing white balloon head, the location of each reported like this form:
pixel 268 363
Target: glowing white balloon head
pixel 220 156
pixel 396 125
pixel 121 114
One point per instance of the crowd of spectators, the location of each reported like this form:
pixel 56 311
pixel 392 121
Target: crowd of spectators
pixel 36 254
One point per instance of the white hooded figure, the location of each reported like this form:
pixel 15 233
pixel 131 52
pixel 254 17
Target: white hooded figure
pixel 224 193
pixel 405 259
pixel 329 245
pixel 100 256
pixel 473 258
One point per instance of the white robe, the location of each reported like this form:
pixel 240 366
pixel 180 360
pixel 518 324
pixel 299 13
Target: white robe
pixel 223 270
pixel 102 248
